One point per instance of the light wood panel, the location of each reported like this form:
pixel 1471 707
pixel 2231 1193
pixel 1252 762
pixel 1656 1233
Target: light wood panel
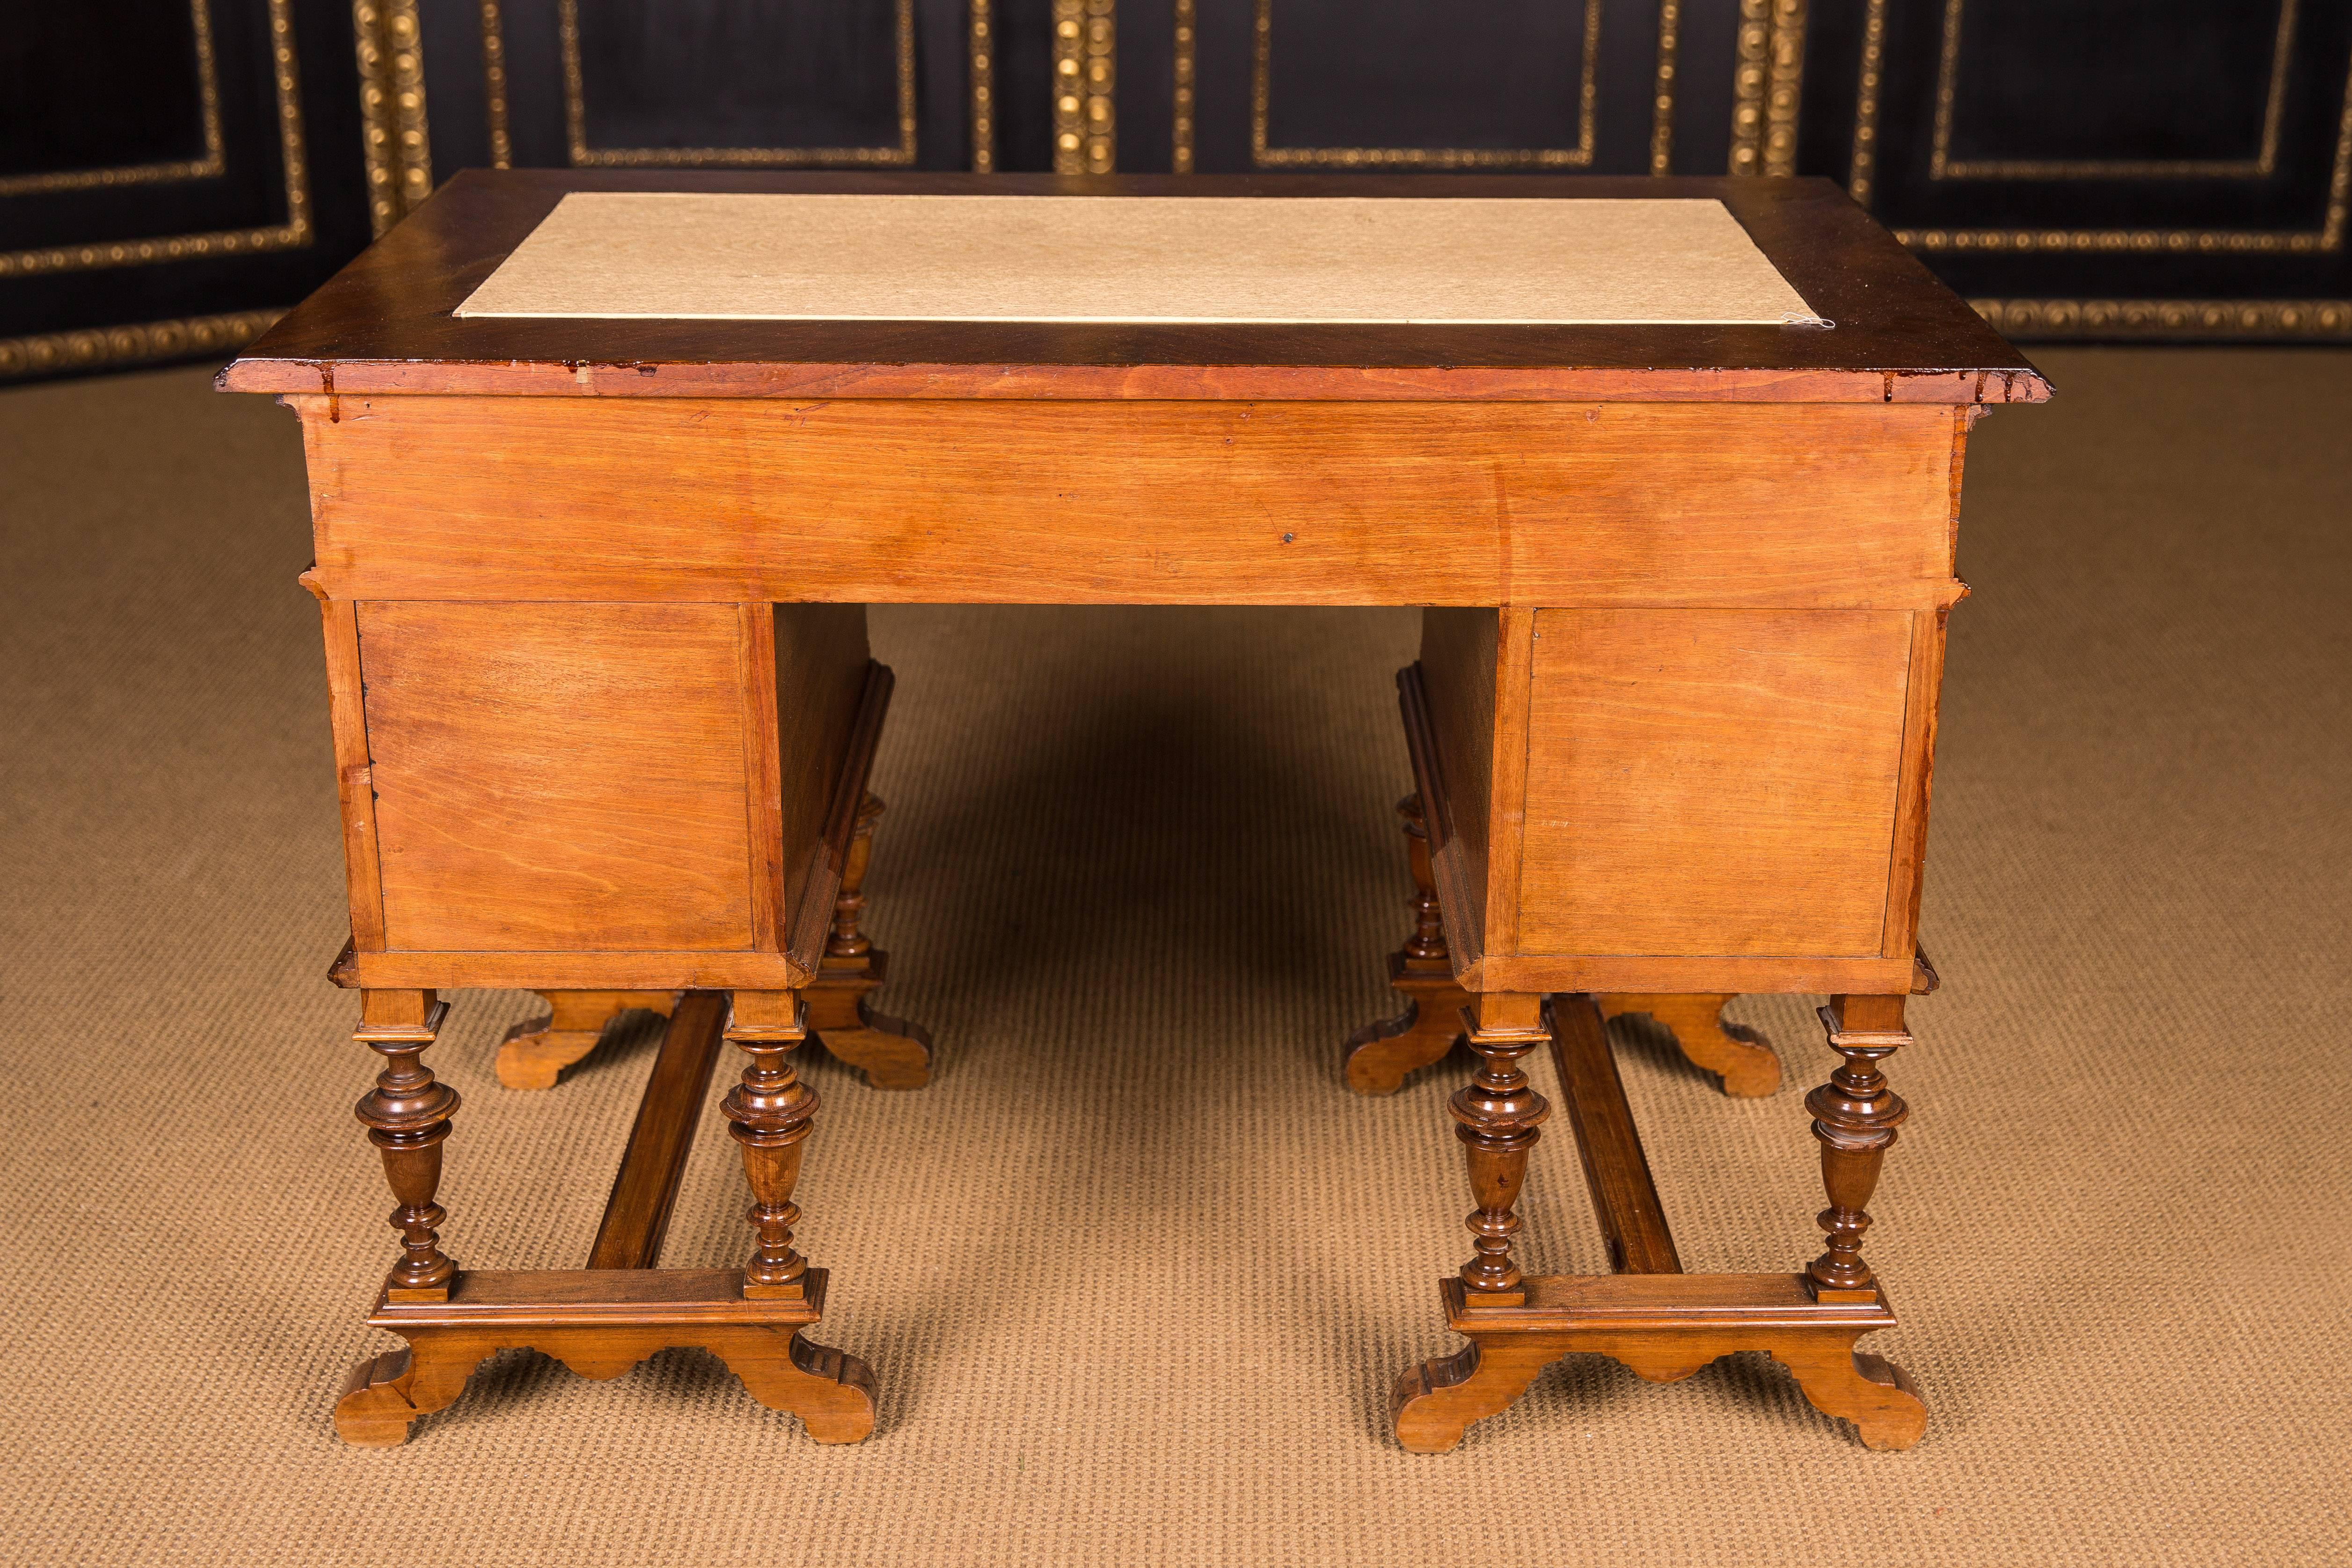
pixel 1452 503
pixel 821 656
pixel 353 788
pixel 1710 781
pixel 1906 877
pixel 1458 686
pixel 559 777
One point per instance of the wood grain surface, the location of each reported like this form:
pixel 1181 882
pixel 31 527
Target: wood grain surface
pixel 1707 781
pixel 559 777
pixel 385 323
pixel 1191 503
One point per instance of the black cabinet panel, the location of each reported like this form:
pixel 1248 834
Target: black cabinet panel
pixel 2035 89
pixel 702 83
pixel 176 173
pixel 802 79
pixel 2101 167
pixel 148 62
pixel 1615 87
pixel 171 169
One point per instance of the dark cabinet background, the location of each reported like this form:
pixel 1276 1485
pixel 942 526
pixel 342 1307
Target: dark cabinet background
pixel 174 171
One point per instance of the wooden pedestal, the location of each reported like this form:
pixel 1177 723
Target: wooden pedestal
pixel 1662 1323
pixel 600 1324
pixel 603 1320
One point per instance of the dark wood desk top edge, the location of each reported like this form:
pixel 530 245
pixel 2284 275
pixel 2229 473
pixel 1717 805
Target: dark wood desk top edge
pixel 384 323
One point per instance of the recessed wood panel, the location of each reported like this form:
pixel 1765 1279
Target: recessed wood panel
pixel 1458 650
pixel 821 656
pixel 1180 503
pixel 559 778
pixel 1712 782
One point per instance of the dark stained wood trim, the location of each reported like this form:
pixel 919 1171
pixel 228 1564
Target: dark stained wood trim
pixel 385 322
pixel 1616 1171
pixel 812 915
pixel 644 1189
pixel 1457 906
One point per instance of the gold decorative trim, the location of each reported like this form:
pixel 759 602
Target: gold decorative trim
pixel 102 347
pixel 1085 84
pixel 494 85
pixel 397 149
pixel 1941 165
pixel 1186 100
pixel 1767 85
pixel 575 117
pixel 1861 173
pixel 210 166
pixel 2247 319
pixel 291 234
pixel 1578 156
pixel 980 58
pixel 1863 167
pixel 1662 105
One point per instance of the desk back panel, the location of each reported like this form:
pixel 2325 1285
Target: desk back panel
pixel 553 777
pixel 597 783
pixel 1642 799
pixel 1136 503
pixel 1705 781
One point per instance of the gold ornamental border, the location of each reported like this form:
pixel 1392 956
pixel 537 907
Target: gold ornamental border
pixel 1085 87
pixel 575 117
pixel 394 140
pixel 1187 73
pixel 210 166
pixel 494 86
pixel 291 234
pixel 1577 157
pixel 1661 103
pixel 1767 85
pixel 979 52
pixel 1942 166
pixel 1862 175
pixel 117 348
pixel 2252 319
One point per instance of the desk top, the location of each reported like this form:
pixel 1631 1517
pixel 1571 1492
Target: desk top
pixel 745 256
pixel 388 322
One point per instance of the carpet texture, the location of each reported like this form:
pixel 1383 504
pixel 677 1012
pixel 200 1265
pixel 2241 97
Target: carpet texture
pixel 1134 1273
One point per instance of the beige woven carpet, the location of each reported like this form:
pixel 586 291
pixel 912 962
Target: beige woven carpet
pixel 1135 1271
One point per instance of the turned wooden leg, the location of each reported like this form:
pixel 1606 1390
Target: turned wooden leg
pixel 407 1117
pixel 891 1052
pixel 1497 1116
pixel 534 1054
pixel 1855 1117
pixel 1382 1053
pixel 1750 1068
pixel 771 1114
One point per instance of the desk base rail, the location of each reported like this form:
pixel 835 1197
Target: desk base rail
pixel 600 1322
pixel 1659 1322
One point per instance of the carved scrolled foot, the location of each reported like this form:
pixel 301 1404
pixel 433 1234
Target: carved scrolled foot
pixel 1382 1054
pixel 891 1051
pixel 385 1393
pixel 1750 1068
pixel 1870 1391
pixel 830 1390
pixel 534 1054
pixel 1434 1403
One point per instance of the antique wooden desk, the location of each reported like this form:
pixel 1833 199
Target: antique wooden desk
pixel 593 599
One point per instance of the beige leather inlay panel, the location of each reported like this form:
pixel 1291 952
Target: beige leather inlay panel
pixel 1140 259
